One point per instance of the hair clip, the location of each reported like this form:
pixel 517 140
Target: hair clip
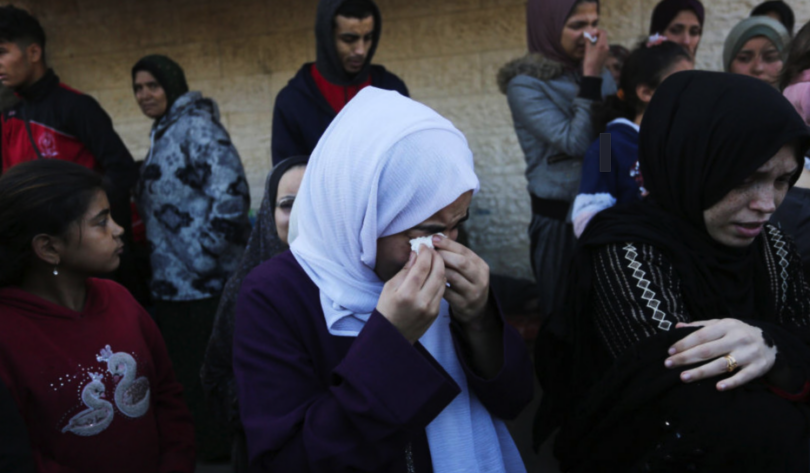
pixel 655 40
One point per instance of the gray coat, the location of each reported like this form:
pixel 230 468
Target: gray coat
pixel 552 123
pixel 194 201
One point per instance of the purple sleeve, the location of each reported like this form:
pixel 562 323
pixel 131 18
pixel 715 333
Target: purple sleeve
pixel 359 417
pixel 511 390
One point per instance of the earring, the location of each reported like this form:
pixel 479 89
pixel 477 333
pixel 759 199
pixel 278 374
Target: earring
pixel 55 271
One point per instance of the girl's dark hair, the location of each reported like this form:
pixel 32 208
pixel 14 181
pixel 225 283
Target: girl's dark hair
pixel 798 57
pixel 619 52
pixel 36 197
pixel 644 66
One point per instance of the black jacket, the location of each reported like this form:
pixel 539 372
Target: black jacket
pixel 69 125
pixel 302 114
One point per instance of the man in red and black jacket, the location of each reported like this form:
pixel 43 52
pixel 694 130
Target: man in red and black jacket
pixel 53 121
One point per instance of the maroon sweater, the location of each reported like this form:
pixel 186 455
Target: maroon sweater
pixel 96 387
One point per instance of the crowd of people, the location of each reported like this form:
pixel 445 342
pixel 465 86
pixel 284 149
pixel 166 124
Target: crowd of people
pixel 148 323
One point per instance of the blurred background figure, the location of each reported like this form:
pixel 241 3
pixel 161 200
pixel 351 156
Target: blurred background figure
pixel 779 11
pixel 757 47
pixel 620 115
pixel 614 63
pixel 793 216
pixel 50 120
pixel 347 33
pixel 551 92
pixel 194 201
pixel 680 21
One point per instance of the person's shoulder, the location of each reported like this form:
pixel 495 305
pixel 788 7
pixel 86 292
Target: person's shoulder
pixel 296 86
pixel 622 126
pixel 778 243
pixel 281 274
pixel 112 291
pixel 75 98
pixel 631 255
pixel 531 69
pixel 385 79
pixel 279 285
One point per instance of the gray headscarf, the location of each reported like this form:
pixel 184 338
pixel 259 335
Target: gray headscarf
pixel 751 28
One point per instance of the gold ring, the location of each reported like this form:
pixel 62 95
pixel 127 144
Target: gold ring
pixel 731 363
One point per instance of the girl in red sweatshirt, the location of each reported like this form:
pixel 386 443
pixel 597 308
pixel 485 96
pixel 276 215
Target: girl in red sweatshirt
pixel 83 361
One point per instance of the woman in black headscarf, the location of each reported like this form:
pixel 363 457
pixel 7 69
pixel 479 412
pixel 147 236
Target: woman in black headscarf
pixel 680 21
pixel 268 238
pixel 779 11
pixel 685 339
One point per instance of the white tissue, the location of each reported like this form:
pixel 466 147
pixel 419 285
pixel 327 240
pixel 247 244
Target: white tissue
pixel 416 243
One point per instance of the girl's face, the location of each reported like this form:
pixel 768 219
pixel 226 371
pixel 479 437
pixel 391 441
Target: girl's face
pixel 739 217
pixel 584 18
pixel 685 30
pixel 285 196
pixel 93 244
pixel 758 58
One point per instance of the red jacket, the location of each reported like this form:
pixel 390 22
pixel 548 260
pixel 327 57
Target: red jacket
pixel 96 388
pixel 68 125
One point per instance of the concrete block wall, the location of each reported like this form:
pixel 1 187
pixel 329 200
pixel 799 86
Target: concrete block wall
pixel 242 52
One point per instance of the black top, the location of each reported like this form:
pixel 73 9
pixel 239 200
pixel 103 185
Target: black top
pixel 630 413
pixel 69 115
pixel 640 268
pixel 301 113
pixel 793 218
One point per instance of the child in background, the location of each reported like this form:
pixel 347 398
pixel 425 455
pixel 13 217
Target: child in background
pixel 83 361
pixel 620 116
pixel 615 62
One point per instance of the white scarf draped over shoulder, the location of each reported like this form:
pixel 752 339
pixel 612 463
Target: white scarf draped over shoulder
pixel 386 164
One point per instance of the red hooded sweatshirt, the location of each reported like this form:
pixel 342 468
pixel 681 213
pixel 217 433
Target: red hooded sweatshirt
pixel 96 387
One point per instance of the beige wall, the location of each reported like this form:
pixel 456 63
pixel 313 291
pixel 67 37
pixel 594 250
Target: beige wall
pixel 242 52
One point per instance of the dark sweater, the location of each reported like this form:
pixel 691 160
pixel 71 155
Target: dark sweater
pixel 311 401
pixel 302 113
pixel 793 218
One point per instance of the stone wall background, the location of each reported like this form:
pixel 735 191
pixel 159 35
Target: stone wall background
pixel 242 52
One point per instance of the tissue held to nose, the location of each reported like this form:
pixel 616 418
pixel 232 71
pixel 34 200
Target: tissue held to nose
pixel 416 243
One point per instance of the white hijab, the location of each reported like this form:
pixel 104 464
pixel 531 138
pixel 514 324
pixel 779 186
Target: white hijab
pixel 386 164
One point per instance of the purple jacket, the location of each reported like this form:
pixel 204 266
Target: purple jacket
pixel 311 401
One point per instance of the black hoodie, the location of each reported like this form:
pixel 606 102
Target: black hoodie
pixel 301 113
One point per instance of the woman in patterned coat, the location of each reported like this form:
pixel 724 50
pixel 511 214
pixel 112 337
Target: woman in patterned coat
pixel 686 343
pixel 194 201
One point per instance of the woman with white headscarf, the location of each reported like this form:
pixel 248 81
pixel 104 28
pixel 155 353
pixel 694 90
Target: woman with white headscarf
pixel 352 352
